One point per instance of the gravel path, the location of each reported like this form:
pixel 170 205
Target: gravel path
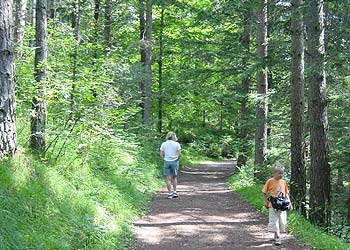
pixel 206 216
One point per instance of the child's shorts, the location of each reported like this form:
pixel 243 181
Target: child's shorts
pixel 277 220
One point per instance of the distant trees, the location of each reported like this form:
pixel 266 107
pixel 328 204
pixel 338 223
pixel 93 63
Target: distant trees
pixel 8 138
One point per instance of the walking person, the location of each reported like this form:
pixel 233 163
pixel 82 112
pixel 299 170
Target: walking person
pixel 277 187
pixel 170 152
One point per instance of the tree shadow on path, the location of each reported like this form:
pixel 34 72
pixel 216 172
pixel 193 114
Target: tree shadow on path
pixel 206 216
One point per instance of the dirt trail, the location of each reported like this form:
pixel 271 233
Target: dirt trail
pixel 206 216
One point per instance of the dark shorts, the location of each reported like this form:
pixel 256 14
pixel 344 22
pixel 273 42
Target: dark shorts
pixel 171 168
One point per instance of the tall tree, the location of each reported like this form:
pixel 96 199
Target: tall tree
pixel 20 25
pixel 52 9
pixel 146 57
pixel 298 169
pixel 107 28
pixel 262 88
pixel 76 28
pixel 96 28
pixel 244 132
pixel 8 138
pixel 320 186
pixel 38 119
pixel 160 71
pixel 142 23
pixel 31 12
pixel 148 63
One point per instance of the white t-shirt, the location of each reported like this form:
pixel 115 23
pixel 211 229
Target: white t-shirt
pixel 170 149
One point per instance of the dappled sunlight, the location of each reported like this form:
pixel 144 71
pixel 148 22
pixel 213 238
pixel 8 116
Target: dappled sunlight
pixel 206 215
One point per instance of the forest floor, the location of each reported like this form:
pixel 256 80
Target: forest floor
pixel 207 215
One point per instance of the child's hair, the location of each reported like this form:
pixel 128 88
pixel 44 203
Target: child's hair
pixel 277 166
pixel 171 136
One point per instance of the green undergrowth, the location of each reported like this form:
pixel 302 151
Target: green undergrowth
pixel 85 199
pixel 192 157
pixel 243 183
pixel 45 206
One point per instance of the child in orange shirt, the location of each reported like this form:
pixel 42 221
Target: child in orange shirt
pixel 276 186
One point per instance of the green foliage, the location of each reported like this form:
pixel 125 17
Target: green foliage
pixel 243 183
pixel 213 144
pixel 83 197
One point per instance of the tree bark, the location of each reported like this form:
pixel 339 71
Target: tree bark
pixel 38 119
pixel 96 19
pixel 52 9
pixel 160 72
pixel 244 132
pixel 107 28
pixel 320 186
pixel 148 64
pixel 31 12
pixel 298 169
pixel 76 28
pixel 20 25
pixel 262 88
pixel 8 138
pixel 142 53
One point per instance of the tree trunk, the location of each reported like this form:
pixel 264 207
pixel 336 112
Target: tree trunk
pixel 8 138
pixel 38 119
pixel 31 12
pixel 20 25
pixel 204 118
pixel 107 28
pixel 262 87
pixel 160 73
pixel 244 132
pixel 76 28
pixel 348 202
pixel 96 19
pixel 298 169
pixel 142 54
pixel 320 186
pixel 148 64
pixel 52 9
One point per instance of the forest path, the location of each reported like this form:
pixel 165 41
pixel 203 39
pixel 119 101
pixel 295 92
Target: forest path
pixel 206 216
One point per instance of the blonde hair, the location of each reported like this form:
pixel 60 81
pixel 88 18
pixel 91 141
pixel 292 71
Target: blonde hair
pixel 277 166
pixel 171 136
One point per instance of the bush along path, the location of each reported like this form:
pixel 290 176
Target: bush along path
pixel 207 215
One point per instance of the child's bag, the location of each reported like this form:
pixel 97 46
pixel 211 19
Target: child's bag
pixel 280 202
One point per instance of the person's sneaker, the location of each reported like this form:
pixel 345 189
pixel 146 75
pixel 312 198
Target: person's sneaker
pixel 175 195
pixel 277 241
pixel 170 196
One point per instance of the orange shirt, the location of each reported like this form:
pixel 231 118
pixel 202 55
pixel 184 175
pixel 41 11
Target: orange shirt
pixel 275 187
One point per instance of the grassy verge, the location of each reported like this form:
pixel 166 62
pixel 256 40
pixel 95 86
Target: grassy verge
pixel 85 192
pixel 243 183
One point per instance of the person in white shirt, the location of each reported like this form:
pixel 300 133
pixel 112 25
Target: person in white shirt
pixel 170 152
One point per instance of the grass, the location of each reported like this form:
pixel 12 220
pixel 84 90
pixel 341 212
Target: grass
pixel 243 183
pixel 86 198
pixel 47 206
